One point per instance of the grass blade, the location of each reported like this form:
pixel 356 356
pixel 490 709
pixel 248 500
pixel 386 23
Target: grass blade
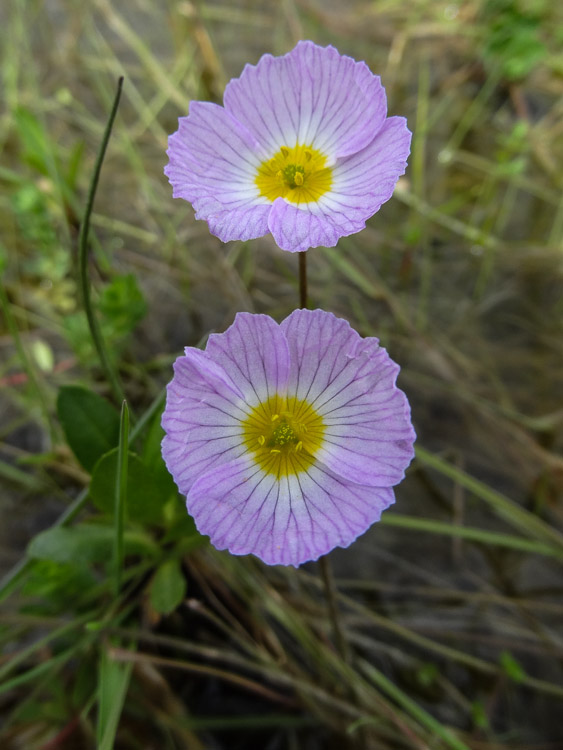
pixel 418 713
pixel 121 494
pixel 473 534
pixel 502 506
pixel 113 682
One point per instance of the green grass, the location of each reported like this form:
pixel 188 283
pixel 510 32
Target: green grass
pixel 120 627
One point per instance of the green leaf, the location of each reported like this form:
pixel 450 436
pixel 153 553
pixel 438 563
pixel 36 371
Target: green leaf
pixel 168 587
pixel 84 544
pixel 58 583
pixel 90 423
pixel 145 495
pixel 511 667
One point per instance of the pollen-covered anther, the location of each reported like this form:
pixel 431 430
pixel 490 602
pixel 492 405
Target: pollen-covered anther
pixel 261 440
pixel 283 434
pixel 298 179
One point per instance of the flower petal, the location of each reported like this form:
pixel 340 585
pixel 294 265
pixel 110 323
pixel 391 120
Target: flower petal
pixel 202 419
pixel 350 382
pixel 213 162
pixel 298 229
pixel 312 96
pixel 374 171
pixel 255 354
pixel 286 521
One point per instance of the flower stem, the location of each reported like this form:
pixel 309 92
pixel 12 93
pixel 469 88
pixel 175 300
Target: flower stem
pixel 93 325
pixel 326 572
pixel 330 592
pixel 302 280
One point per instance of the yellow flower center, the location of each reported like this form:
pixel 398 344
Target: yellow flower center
pixel 298 174
pixel 283 434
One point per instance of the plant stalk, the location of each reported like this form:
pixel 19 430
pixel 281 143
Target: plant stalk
pixel 93 325
pixel 303 279
pixel 330 591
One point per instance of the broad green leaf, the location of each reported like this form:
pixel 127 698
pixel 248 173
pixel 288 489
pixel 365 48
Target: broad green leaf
pixel 85 543
pixel 90 423
pixel 146 496
pixel 168 587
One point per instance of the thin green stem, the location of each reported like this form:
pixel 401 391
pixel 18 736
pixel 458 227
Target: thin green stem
pixel 121 494
pixel 324 562
pixel 93 325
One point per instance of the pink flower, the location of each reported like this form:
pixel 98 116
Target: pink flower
pixel 302 148
pixel 286 439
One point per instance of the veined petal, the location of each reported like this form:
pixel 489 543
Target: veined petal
pixel 254 352
pixel 244 223
pixel 350 382
pixel 213 162
pixel 314 96
pixel 286 521
pixel 298 229
pixel 374 171
pixel 203 417
pixel 361 184
pixel 319 346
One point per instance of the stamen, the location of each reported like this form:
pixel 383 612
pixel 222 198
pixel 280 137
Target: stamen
pixel 275 450
pixel 298 446
pixel 262 439
pixel 285 151
pixel 275 416
pixel 298 179
pixel 308 154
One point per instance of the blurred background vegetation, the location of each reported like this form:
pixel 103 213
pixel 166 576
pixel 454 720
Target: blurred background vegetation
pixel 452 605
